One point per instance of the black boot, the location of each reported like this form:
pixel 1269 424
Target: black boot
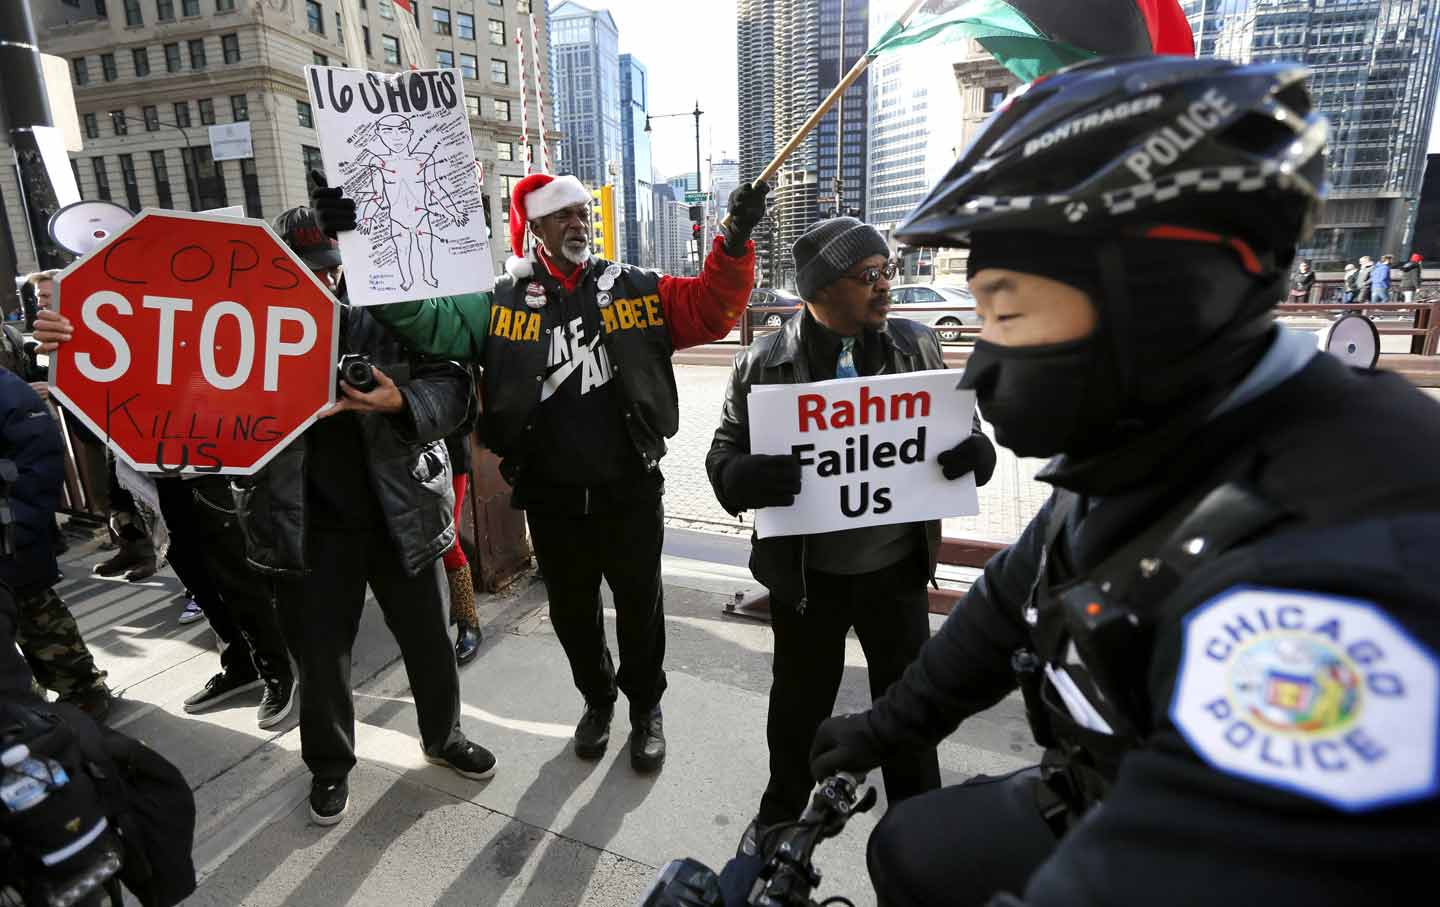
pixel 592 734
pixel 467 643
pixel 647 741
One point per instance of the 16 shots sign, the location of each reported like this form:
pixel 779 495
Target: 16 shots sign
pixel 867 449
pixel 201 345
pixel 400 145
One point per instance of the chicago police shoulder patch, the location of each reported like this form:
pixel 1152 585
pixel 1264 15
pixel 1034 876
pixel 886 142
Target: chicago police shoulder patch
pixel 1323 696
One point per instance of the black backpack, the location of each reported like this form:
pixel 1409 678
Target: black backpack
pixel 142 801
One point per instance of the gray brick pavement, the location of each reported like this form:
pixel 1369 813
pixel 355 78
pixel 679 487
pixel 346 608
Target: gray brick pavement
pixel 1006 504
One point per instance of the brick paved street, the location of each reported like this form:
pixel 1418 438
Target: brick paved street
pixel 1006 504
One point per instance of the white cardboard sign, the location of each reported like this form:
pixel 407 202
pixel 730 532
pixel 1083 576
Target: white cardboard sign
pixel 867 448
pixel 400 145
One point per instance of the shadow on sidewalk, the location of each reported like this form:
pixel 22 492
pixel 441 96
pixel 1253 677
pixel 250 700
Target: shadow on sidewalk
pixel 566 866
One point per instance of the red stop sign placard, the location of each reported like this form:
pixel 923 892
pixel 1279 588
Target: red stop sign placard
pixel 201 344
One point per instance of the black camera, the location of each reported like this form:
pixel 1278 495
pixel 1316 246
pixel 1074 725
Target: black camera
pixel 355 370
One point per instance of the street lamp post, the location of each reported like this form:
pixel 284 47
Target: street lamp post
pixel 192 183
pixel 699 245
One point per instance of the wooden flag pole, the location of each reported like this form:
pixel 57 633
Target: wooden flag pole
pixel 830 100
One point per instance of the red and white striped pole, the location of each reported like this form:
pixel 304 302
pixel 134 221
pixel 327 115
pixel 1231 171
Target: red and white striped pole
pixel 524 111
pixel 539 93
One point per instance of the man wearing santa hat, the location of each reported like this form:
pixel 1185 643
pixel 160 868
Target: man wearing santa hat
pixel 579 397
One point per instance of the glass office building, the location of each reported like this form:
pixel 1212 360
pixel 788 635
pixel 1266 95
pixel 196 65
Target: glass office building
pixel 1374 66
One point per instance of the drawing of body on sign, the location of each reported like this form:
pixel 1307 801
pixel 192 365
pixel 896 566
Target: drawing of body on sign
pixel 400 146
pixel 867 449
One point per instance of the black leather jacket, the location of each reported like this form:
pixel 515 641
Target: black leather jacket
pixel 409 467
pixel 779 358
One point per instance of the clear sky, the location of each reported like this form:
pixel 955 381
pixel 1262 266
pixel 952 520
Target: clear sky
pixel 688 46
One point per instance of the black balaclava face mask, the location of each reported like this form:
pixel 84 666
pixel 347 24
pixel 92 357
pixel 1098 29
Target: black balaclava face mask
pixel 1178 324
pixel 1041 399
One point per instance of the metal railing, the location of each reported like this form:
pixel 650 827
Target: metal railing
pixel 749 331
pixel 1424 330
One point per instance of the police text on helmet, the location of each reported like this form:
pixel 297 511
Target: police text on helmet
pixel 1164 147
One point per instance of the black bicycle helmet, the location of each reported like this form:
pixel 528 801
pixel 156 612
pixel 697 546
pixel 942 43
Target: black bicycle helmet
pixel 1157 146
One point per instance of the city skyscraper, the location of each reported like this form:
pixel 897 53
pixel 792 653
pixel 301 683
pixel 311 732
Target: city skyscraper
pixel 151 78
pixel 1374 67
pixel 672 231
pixel 791 53
pixel 637 176
pixel 922 107
pixel 585 57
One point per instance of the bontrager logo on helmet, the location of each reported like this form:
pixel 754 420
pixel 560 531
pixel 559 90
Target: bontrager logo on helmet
pixel 1081 125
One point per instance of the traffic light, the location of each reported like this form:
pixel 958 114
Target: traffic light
pixel 602 221
pixel 697 213
pixel 695 232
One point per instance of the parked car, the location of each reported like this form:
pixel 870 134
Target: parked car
pixel 765 297
pixel 945 323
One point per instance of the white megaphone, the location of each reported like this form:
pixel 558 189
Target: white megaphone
pixel 1353 339
pixel 80 228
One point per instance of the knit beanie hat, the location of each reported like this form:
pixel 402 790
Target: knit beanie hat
pixel 830 248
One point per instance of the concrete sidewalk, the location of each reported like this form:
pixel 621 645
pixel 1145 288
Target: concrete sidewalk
pixel 548 829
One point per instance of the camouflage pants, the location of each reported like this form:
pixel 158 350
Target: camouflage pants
pixel 49 638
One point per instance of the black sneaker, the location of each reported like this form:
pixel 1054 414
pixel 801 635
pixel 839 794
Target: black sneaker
pixel 592 734
pixel 647 741
pixel 328 801
pixel 127 558
pixel 218 689
pixel 275 702
pixel 465 758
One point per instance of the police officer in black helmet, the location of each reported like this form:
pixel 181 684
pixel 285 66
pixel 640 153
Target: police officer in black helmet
pixel 1227 645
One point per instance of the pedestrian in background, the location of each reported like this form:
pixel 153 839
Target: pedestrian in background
pixel 871 579
pixel 1411 275
pixel 32 469
pixel 1301 282
pixel 1367 267
pixel 1352 284
pixel 1380 281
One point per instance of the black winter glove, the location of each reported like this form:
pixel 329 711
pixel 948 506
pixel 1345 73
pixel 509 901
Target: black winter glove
pixel 975 454
pixel 747 207
pixel 762 480
pixel 334 212
pixel 845 743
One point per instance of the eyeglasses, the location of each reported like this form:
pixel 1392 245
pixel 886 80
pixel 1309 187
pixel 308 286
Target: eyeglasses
pixel 871 275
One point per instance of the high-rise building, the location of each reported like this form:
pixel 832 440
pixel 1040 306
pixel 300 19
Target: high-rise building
pixel 637 176
pixel 585 54
pixel 922 106
pixel 683 183
pixel 1374 65
pixel 672 232
pixel 151 78
pixel 791 54
pixel 724 179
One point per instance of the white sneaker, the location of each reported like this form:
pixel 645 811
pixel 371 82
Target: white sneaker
pixel 191 613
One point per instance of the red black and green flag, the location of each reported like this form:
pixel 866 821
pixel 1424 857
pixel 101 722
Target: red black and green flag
pixel 1032 38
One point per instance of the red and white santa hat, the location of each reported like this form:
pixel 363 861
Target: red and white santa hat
pixel 535 196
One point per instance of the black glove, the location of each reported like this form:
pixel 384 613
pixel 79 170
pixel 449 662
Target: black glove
pixel 747 207
pixel 845 743
pixel 334 212
pixel 762 480
pixel 975 454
